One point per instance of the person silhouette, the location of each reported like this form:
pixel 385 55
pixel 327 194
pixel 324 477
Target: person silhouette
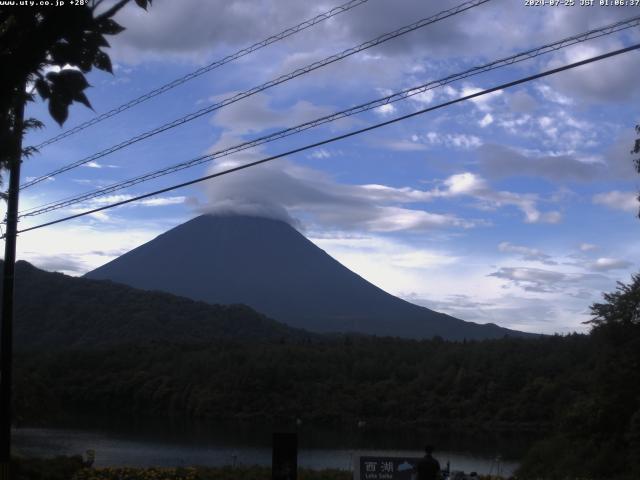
pixel 428 467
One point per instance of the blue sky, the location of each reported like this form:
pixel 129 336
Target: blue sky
pixel 517 208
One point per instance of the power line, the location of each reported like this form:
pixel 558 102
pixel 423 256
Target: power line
pixel 519 57
pixel 503 86
pixel 252 91
pixel 207 68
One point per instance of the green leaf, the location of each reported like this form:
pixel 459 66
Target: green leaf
pixel 103 62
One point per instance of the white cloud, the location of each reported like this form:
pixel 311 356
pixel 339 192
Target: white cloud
pixel 484 102
pixel 465 184
pixel 106 200
pixel 75 249
pixel 473 185
pixel 162 201
pixel 605 264
pixel 486 120
pixel 285 190
pixel 385 110
pixel 547 281
pixel 97 165
pixel 423 98
pixel 552 95
pixel 404 145
pixel 526 253
pixel 460 141
pixel 320 154
pixel 617 200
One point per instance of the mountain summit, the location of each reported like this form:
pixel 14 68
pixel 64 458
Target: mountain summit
pixel 271 267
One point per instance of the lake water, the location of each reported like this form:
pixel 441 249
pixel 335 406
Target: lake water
pixel 209 445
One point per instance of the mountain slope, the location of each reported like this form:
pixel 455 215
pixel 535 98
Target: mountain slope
pixel 57 311
pixel 271 267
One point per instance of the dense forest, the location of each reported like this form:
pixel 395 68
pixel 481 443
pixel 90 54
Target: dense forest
pixel 580 393
pixel 506 384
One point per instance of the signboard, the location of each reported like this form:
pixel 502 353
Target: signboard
pixel 386 468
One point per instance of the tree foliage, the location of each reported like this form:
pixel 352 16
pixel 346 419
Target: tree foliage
pixel 55 311
pixel 598 435
pixel 636 161
pixel 48 50
pixel 581 392
pixel 621 306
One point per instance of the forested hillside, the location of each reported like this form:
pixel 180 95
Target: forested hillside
pixel 55 311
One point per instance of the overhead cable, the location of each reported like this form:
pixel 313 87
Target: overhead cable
pixel 260 88
pixel 401 95
pixel 503 86
pixel 207 68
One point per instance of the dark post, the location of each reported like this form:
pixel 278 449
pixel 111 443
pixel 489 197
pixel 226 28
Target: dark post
pixel 284 462
pixel 6 329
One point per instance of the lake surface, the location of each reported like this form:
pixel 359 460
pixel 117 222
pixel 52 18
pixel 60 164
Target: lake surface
pixel 216 445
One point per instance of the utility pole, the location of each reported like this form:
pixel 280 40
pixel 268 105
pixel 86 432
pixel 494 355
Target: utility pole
pixel 6 328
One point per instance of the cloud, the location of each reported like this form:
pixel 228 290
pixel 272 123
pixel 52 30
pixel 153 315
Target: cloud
pixel 106 200
pixel 536 315
pixel 320 154
pixel 287 191
pixel 255 114
pixel 97 165
pixel 161 201
pixel 75 248
pixel 617 200
pixel 552 95
pixel 610 80
pixel 403 145
pixel 587 247
pixel 486 120
pixel 242 22
pixel 65 263
pixel 471 184
pixel 453 140
pixel 161 30
pixel 484 102
pixel 526 253
pixel 386 110
pixel 376 250
pixel 520 101
pixel 547 281
pixel 426 141
pixel 498 161
pixel 605 264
